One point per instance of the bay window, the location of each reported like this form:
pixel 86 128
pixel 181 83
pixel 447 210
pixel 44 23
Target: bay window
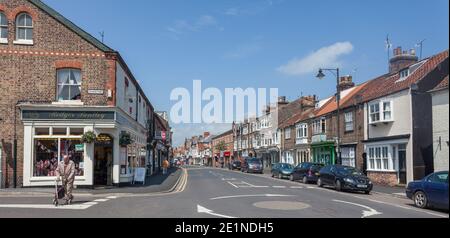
pixel 387 111
pixel 374 112
pixel 319 126
pixel 380 158
pixel 302 130
pixel 69 84
pixel 381 112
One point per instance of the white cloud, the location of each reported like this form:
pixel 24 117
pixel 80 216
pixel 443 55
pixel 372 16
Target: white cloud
pixel 328 56
pixel 203 22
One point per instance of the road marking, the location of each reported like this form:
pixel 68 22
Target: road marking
pixel 101 200
pixel 311 187
pixel 297 187
pixel 278 186
pixel 201 209
pixel 252 195
pixel 232 184
pixel 365 213
pixel 48 206
pixel 111 197
pixel 228 179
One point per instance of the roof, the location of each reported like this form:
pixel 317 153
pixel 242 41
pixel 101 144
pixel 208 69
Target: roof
pixel 223 134
pixel 346 95
pixel 88 37
pixel 391 83
pixel 299 116
pixel 442 85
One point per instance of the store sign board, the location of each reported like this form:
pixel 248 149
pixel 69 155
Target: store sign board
pixel 67 115
pixel 139 175
pixel 79 148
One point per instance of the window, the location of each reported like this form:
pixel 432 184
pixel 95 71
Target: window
pixel 319 126
pixel 287 133
pixel 379 158
pixel 3 28
pixel 50 149
pixel 384 115
pixel 349 121
pixel 24 28
pixel 69 84
pixel 374 112
pixel 404 73
pixel 348 156
pixel 387 111
pixel 302 130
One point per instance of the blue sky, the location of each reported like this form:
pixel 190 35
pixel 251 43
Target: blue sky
pixel 256 43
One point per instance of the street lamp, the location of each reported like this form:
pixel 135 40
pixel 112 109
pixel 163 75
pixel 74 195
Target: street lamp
pixel 321 75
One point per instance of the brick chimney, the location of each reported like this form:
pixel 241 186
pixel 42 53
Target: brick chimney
pixel 402 59
pixel 307 102
pixel 346 82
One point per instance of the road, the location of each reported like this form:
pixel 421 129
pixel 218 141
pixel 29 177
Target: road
pixel 217 193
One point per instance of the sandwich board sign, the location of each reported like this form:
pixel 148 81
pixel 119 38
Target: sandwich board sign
pixel 139 175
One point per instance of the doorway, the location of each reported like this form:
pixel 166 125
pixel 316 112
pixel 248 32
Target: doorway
pixel 103 161
pixel 402 163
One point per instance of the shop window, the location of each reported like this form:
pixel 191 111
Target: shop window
pixel 24 28
pixel 69 84
pixel 3 28
pixel 45 157
pixel 42 131
pixel 59 131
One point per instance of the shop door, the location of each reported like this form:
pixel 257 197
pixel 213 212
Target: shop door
pixel 103 161
pixel 402 164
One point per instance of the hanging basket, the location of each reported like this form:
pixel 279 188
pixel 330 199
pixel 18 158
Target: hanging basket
pixel 88 137
pixel 125 139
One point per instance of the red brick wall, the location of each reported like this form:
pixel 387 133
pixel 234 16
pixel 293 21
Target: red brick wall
pixel 383 178
pixel 29 72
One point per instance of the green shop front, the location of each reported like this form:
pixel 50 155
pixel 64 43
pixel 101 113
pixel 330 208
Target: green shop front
pixel 323 150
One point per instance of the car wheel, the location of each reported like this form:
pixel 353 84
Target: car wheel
pixel 367 192
pixel 273 175
pixel 420 199
pixel 338 185
pixel 305 180
pixel 291 177
pixel 319 182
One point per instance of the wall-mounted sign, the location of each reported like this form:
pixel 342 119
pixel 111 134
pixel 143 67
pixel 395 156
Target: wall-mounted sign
pixel 96 91
pixel 67 115
pixel 79 148
pixel 104 140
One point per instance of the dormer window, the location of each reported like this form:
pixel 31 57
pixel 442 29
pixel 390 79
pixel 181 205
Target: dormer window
pixel 3 28
pixel 404 73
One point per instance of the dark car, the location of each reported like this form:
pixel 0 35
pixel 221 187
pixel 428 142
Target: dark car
pixel 344 178
pixel 282 170
pixel 236 165
pixel 432 191
pixel 306 172
pixel 252 165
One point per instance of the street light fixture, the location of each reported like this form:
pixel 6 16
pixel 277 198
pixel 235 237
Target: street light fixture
pixel 321 75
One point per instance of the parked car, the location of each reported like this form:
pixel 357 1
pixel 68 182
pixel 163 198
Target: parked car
pixel 236 165
pixel 344 178
pixel 306 172
pixel 282 170
pixel 431 191
pixel 252 165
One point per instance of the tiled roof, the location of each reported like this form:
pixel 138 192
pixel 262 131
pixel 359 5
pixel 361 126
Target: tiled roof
pixel 331 105
pixel 390 83
pixel 442 85
pixel 299 116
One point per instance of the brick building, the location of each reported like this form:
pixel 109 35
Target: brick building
pixel 225 154
pixel 58 83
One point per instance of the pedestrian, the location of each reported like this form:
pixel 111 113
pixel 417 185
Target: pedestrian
pixel 165 166
pixel 66 173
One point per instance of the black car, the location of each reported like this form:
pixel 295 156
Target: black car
pixel 236 165
pixel 306 172
pixel 344 178
pixel 252 165
pixel 282 170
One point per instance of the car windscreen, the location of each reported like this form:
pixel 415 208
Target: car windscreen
pixel 347 171
pixel 287 166
pixel 255 161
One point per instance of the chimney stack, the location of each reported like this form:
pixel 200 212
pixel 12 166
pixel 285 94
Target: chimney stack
pixel 346 82
pixel 402 59
pixel 308 102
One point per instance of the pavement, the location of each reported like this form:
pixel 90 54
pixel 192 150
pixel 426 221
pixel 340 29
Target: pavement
pixel 218 193
pixel 157 183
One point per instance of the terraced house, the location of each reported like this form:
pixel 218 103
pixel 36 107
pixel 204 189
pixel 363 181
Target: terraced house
pixel 57 83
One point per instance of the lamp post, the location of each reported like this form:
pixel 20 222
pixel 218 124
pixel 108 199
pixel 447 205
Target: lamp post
pixel 321 75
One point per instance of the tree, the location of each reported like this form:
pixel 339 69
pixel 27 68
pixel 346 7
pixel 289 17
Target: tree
pixel 221 146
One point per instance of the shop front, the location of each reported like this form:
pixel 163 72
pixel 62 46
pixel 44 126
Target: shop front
pixel 324 153
pixel 51 133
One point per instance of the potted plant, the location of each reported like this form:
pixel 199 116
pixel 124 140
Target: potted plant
pixel 88 137
pixel 125 139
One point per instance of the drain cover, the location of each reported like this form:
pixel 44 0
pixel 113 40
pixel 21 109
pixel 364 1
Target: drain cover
pixel 281 205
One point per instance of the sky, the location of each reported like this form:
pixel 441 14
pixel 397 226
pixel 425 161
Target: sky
pixel 256 43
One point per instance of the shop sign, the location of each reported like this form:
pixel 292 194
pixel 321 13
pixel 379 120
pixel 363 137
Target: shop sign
pixel 67 115
pixel 79 148
pixel 96 91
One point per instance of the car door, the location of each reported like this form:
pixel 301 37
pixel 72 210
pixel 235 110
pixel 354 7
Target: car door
pixel 332 175
pixel 436 189
pixel 296 171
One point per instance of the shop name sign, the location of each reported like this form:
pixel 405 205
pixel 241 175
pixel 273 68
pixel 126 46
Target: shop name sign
pixel 96 91
pixel 67 115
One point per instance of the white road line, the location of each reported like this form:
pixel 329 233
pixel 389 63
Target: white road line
pixel 47 206
pixel 228 179
pixel 297 187
pixel 311 187
pixel 365 213
pixel 101 200
pixel 232 184
pixel 278 186
pixel 252 195
pixel 111 197
pixel 90 203
pixel 201 209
